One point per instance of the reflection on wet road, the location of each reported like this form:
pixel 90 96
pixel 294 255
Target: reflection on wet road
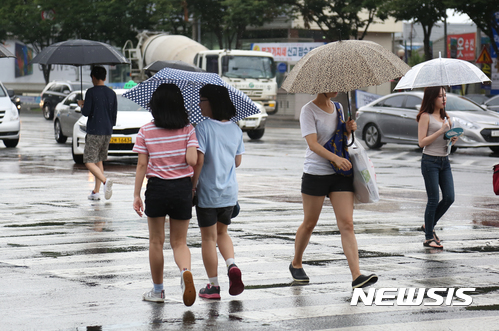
pixel 68 263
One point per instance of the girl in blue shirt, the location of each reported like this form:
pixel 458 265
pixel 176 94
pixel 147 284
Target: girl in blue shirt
pixel 219 154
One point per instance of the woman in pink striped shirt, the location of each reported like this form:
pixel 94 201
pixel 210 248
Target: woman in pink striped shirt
pixel 167 149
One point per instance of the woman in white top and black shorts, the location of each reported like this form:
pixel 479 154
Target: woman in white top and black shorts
pixel 433 123
pixel 318 122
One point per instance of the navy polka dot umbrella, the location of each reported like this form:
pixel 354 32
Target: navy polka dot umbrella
pixel 190 83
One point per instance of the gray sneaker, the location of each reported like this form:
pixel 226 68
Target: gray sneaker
pixel 153 296
pixel 108 189
pixel 94 196
pixel 188 290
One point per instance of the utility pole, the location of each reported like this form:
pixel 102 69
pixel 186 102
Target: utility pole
pixel 445 35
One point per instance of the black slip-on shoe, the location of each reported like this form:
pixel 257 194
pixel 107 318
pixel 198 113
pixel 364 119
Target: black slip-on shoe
pixel 298 274
pixel 364 281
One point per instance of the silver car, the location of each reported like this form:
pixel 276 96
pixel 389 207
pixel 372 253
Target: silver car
pixel 392 119
pixel 492 103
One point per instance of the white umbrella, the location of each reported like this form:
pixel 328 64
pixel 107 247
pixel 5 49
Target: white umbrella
pixel 441 72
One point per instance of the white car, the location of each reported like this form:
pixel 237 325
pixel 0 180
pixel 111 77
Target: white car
pixel 254 125
pixel 10 124
pixel 130 118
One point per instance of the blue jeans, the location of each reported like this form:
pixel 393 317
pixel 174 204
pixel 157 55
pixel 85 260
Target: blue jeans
pixel 436 172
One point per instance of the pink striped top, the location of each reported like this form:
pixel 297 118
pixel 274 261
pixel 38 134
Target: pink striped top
pixel 166 150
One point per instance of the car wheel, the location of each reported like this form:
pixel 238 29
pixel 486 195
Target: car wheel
pixel 453 149
pixel 77 158
pixel 47 112
pixel 256 134
pixel 372 136
pixel 59 137
pixel 11 142
pixel 495 149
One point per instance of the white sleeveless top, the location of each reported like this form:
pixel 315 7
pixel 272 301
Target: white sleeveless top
pixel 439 146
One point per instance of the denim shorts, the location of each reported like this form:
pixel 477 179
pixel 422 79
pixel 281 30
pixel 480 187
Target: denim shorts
pixel 322 185
pixel 172 197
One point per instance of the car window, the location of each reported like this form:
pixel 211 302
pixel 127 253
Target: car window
pixel 65 88
pixel 125 104
pixel 78 86
pixel 412 102
pixel 2 92
pixel 395 101
pixel 70 99
pixel 56 88
pixel 212 63
pixel 460 104
pixel 493 102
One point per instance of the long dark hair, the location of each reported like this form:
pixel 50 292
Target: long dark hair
pixel 167 107
pixel 428 104
pixel 222 107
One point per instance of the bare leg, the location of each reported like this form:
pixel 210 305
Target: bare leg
pixel 156 241
pixel 343 209
pixel 178 241
pixel 209 250
pixel 224 241
pixel 312 206
pixel 97 169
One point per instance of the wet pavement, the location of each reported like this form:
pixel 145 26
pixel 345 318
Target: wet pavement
pixel 67 263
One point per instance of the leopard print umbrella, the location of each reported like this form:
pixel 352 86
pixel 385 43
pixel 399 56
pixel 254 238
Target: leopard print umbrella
pixel 344 66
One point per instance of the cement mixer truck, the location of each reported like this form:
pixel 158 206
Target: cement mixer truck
pixel 252 72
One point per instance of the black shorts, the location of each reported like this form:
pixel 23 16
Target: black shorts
pixel 210 216
pixel 169 197
pixel 318 185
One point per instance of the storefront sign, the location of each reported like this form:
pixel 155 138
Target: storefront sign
pixel 462 46
pixel 286 52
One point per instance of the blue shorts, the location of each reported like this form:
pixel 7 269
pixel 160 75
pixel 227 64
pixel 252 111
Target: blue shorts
pixel 172 197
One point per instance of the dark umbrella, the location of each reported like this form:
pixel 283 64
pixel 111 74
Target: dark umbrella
pixel 4 52
pixel 80 52
pixel 156 66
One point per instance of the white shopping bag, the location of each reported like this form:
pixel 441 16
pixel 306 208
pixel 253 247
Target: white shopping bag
pixel 364 177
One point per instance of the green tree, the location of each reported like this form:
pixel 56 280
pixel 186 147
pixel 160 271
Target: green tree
pixel 425 12
pixel 228 19
pixel 482 13
pixel 111 21
pixel 23 20
pixel 171 16
pixel 340 19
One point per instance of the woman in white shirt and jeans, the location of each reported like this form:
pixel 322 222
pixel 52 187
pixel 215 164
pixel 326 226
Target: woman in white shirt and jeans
pixel 318 122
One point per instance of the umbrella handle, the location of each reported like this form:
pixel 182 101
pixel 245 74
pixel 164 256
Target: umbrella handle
pixel 353 139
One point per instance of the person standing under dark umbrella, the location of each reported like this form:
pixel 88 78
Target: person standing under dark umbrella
pixel 101 108
pixel 319 120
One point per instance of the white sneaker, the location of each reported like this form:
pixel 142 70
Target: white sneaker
pixel 94 196
pixel 188 289
pixel 108 189
pixel 153 296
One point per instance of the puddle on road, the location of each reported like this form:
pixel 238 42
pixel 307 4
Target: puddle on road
pixel 279 285
pixel 35 224
pixel 488 307
pixel 265 237
pixel 365 254
pixel 480 249
pixel 97 250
